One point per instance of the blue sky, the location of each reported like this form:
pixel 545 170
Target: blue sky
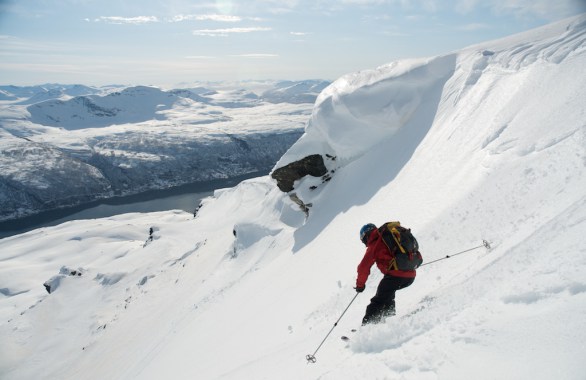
pixel 98 42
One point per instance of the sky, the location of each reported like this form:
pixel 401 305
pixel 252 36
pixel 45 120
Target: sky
pixel 172 42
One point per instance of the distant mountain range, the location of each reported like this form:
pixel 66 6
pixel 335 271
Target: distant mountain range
pixel 295 92
pixel 63 145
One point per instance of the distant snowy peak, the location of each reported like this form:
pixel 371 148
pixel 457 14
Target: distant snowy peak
pixel 189 94
pixel 59 106
pixel 361 110
pixel 295 91
pixel 43 95
pixel 35 94
pixel 5 95
pixel 131 105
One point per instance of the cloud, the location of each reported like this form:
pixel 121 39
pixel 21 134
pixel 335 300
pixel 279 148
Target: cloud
pixel 255 55
pixel 273 6
pixel 127 20
pixel 364 2
pixel 546 9
pixel 473 26
pixel 226 32
pixel 390 33
pixel 18 46
pixel 200 57
pixel 379 17
pixel 49 67
pixel 299 33
pixel 210 17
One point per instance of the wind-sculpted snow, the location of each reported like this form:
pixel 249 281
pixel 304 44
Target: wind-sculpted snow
pixel 495 151
pixel 359 110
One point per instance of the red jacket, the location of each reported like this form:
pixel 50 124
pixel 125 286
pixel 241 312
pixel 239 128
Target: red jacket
pixel 377 252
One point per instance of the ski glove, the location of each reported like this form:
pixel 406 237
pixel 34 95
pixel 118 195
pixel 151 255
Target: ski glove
pixel 359 289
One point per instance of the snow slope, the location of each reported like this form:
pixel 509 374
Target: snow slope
pixel 485 143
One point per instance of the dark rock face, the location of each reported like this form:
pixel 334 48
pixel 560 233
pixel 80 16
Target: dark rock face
pixel 311 165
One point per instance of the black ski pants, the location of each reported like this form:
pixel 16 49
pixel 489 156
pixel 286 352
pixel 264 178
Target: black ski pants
pixel 382 305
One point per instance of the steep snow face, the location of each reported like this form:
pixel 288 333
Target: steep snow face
pixel 251 286
pixel 359 110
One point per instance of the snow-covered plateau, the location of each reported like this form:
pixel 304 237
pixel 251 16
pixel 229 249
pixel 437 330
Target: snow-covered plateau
pixel 486 143
pixel 66 145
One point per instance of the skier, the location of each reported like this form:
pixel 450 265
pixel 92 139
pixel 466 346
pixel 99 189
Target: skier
pixel 382 305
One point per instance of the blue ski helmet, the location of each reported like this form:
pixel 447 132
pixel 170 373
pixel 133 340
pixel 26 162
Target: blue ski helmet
pixel 365 232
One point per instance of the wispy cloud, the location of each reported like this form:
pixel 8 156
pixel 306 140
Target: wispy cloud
pixel 127 20
pixel 390 33
pixel 15 45
pixel 210 17
pixel 299 34
pixel 276 7
pixel 51 68
pixel 255 55
pixel 472 27
pixel 379 17
pixel 200 57
pixel 228 31
pixel 546 9
pixel 365 2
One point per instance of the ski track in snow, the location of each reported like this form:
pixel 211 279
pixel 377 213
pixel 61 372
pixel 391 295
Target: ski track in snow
pixel 486 143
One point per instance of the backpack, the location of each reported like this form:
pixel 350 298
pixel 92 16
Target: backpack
pixel 402 245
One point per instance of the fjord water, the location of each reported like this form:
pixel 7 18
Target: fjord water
pixel 185 197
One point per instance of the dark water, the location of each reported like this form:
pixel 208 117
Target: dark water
pixel 185 197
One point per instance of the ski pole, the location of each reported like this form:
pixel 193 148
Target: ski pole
pixel 485 244
pixel 311 358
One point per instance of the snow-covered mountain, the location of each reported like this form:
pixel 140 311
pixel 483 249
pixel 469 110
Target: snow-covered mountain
pixel 66 145
pixel 130 105
pixel 295 91
pixel 34 94
pixel 487 143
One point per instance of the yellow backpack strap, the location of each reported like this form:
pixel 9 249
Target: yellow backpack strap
pixel 392 226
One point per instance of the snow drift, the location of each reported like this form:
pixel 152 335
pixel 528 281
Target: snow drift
pixel 485 143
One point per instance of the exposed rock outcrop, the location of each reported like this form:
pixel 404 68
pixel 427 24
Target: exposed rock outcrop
pixel 285 176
